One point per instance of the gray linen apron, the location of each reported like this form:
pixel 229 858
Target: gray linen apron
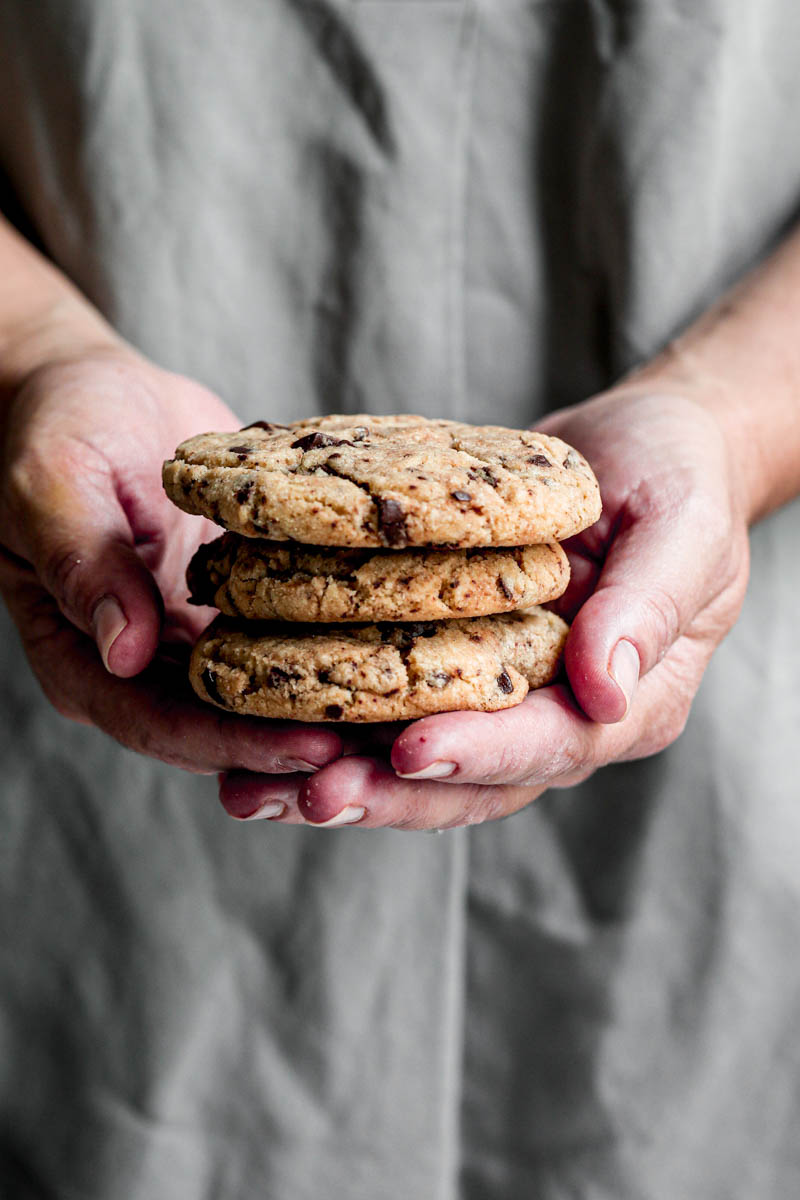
pixel 465 208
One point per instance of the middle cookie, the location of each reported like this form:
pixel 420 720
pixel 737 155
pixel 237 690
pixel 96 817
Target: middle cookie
pixel 262 580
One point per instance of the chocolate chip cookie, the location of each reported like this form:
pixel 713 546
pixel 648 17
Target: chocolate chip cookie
pixel 386 481
pixel 381 672
pixel 262 580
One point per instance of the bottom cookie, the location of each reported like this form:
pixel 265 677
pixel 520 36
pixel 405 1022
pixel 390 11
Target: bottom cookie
pixel 383 672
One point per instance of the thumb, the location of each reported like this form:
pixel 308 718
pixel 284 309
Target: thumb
pixel 654 581
pixel 82 548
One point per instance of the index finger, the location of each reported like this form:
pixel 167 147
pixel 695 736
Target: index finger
pixel 156 712
pixel 548 737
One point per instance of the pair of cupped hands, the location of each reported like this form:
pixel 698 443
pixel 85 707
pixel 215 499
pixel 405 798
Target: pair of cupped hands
pixel 92 570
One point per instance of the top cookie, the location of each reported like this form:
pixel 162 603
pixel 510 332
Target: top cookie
pixel 386 481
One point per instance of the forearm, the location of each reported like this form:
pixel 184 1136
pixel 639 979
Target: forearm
pixel 741 362
pixel 43 317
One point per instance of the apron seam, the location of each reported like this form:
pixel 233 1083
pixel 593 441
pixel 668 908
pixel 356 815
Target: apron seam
pixel 455 323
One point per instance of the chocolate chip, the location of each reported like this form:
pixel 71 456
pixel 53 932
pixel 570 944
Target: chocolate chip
pixel 504 589
pixel 438 679
pixel 242 451
pixel 316 441
pixel 540 460
pixel 400 637
pixel 484 474
pixel 504 683
pixel 243 494
pixel 202 587
pixel 268 425
pixel 403 636
pixel 209 682
pixel 463 497
pixel 334 712
pixel 276 676
pixel 426 629
pixel 392 522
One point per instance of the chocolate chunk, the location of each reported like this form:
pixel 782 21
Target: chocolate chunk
pixel 504 683
pixel 268 425
pixel 334 712
pixel 504 589
pixel 392 522
pixel 403 636
pixel 438 679
pixel 316 441
pixel 463 497
pixel 244 492
pixel 199 576
pixel 540 460
pixel 484 474
pixel 209 682
pixel 424 629
pixel 242 451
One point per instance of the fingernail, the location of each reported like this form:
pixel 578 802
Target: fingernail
pixel 347 816
pixel 265 812
pixel 108 622
pixel 297 764
pixel 434 770
pixel 624 670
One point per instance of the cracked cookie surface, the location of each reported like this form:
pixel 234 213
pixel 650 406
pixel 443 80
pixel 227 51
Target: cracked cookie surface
pixel 364 481
pixel 383 672
pixel 262 580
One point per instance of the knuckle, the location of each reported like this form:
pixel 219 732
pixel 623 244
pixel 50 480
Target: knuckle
pixel 661 734
pixel 416 813
pixel 489 804
pixel 64 704
pixel 62 700
pixel 573 778
pixel 674 725
pixel 62 575
pixel 19 482
pixel 663 616
pixel 511 760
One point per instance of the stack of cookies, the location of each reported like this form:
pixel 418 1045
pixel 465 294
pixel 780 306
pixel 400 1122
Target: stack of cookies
pixel 379 568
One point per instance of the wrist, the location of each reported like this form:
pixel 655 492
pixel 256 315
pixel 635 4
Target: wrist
pixel 61 332
pixel 44 319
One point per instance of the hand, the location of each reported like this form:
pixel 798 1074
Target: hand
pixel 656 584
pixel 93 559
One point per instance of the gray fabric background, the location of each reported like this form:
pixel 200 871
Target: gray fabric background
pixel 467 209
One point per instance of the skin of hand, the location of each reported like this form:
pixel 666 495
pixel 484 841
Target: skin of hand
pixel 656 584
pixel 690 450
pixel 93 557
